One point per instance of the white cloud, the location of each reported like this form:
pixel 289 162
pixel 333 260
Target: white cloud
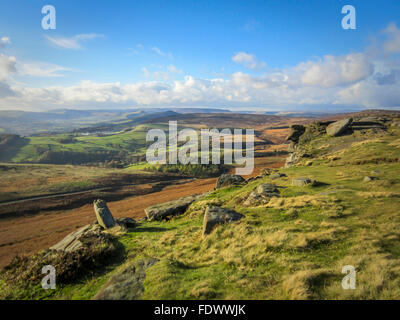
pixel 392 45
pixel 73 43
pixel 7 66
pixel 173 69
pixel 4 41
pixel 158 51
pixel 334 71
pixel 352 80
pixel 249 61
pixel 40 69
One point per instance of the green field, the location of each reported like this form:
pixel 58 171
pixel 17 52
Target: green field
pixel 36 148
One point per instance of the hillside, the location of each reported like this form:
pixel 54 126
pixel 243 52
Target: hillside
pixel 80 149
pixel 335 204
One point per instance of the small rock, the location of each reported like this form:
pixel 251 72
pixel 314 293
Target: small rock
pixel 171 208
pixel 103 214
pixel 262 195
pixel 226 180
pixel 337 128
pixel 300 182
pixel 266 172
pixel 217 215
pixel 277 175
pixel 369 178
pixel 127 222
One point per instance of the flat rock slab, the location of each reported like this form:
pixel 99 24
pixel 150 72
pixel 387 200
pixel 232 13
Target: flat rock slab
pixel 337 128
pixel 226 180
pixel 128 284
pixel 171 208
pixel 301 182
pixel 103 214
pixel 72 242
pixel 217 215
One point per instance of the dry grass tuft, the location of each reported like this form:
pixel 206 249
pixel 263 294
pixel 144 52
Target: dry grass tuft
pixel 300 285
pixel 301 201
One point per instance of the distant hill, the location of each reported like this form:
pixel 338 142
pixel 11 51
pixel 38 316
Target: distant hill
pixel 64 120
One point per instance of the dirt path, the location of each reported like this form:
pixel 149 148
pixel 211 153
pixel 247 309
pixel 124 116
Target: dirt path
pixel 28 234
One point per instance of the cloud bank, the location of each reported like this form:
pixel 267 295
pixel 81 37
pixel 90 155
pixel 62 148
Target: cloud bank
pixel 328 83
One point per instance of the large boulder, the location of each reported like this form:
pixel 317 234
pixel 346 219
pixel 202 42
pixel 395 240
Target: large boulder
pixel 226 180
pixel 339 127
pixel 262 195
pixel 127 284
pixel 103 214
pixel 301 182
pixel 295 133
pixel 217 215
pixel 171 208
pixel 77 240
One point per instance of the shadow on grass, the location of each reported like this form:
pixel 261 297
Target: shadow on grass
pixel 10 149
pixel 151 229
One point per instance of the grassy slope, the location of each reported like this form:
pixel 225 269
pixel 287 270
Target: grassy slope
pixel 293 248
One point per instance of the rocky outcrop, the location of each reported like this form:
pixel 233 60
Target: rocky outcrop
pixel 262 195
pixel 226 180
pixel 128 284
pixel 103 214
pixel 217 215
pixel 171 208
pixel 367 123
pixel 301 182
pixel 295 133
pixel 339 127
pixel 294 150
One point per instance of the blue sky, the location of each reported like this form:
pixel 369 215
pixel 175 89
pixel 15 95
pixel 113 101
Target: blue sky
pixel 165 53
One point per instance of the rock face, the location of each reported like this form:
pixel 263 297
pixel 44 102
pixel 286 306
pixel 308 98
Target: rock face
pixel 301 182
pixel 171 208
pixel 128 284
pixel 226 180
pixel 76 240
pixel 262 195
pixel 337 128
pixel 295 133
pixel 367 123
pixel 103 214
pixel 217 215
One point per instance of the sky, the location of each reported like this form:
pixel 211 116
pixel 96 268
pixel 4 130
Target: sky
pixel 270 55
